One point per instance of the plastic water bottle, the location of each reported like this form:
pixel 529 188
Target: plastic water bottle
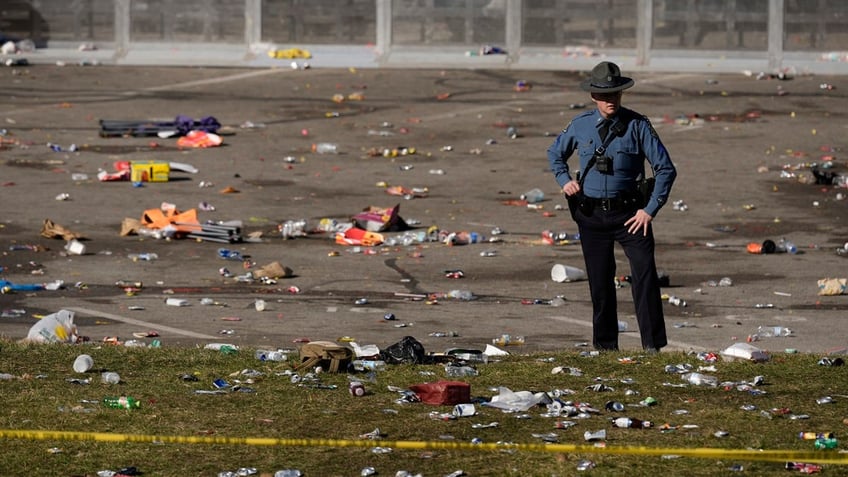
pixel 786 246
pixel 147 257
pixel 122 402
pixel 325 148
pixel 268 355
pixel 773 331
pixel 629 422
pixel 533 196
pixel 368 365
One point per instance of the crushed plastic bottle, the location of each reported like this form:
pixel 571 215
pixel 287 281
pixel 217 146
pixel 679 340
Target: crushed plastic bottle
pixel 228 254
pixel 508 340
pixel 293 228
pixel 700 379
pixel 147 257
pixel 772 332
pixel 460 371
pixel 464 295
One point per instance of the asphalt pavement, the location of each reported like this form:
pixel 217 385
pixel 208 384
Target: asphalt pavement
pixel 742 144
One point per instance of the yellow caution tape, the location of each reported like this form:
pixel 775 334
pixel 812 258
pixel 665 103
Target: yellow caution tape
pixel 820 457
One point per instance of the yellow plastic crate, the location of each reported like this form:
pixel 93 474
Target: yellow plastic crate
pixel 150 171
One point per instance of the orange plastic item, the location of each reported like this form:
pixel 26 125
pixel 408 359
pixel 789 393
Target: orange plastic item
pixel 182 222
pixel 200 139
pixel 756 248
pixel 357 236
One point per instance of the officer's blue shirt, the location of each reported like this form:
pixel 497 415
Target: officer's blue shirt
pixel 637 142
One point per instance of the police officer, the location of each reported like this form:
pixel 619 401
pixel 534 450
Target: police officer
pixel 612 144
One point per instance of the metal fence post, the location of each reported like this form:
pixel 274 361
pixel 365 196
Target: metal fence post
pixel 775 33
pixel 252 22
pixel 644 32
pixel 513 29
pixel 122 27
pixel 384 30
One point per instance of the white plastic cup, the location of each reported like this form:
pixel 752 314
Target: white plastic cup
pixel 566 273
pixel 110 377
pixel 83 363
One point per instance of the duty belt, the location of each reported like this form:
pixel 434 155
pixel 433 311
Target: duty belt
pixel 613 203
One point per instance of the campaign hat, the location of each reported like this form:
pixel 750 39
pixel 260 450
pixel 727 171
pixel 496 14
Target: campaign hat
pixel 606 78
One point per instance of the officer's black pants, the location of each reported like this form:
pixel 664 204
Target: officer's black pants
pixel 599 231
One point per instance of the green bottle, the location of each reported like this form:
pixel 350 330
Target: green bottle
pixel 122 402
pixel 829 443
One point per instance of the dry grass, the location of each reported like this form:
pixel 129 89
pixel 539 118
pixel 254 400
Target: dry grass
pixel 42 398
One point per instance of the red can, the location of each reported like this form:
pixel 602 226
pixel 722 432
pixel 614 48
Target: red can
pixel 356 389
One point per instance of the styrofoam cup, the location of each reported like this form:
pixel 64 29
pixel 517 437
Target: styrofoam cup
pixel 566 273
pixel 75 247
pixel 83 363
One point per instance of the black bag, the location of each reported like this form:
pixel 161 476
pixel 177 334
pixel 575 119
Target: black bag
pixel 645 188
pixel 406 351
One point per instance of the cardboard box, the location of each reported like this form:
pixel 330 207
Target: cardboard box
pixel 149 171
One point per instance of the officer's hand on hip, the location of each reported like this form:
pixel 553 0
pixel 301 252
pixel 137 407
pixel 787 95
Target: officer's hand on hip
pixel 571 188
pixel 640 221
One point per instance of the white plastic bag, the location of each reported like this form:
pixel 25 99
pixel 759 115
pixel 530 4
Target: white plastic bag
pixel 56 328
pixel 512 401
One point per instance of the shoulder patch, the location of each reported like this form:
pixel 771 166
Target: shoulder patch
pixel 651 130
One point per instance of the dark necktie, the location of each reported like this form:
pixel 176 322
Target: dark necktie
pixel 604 130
